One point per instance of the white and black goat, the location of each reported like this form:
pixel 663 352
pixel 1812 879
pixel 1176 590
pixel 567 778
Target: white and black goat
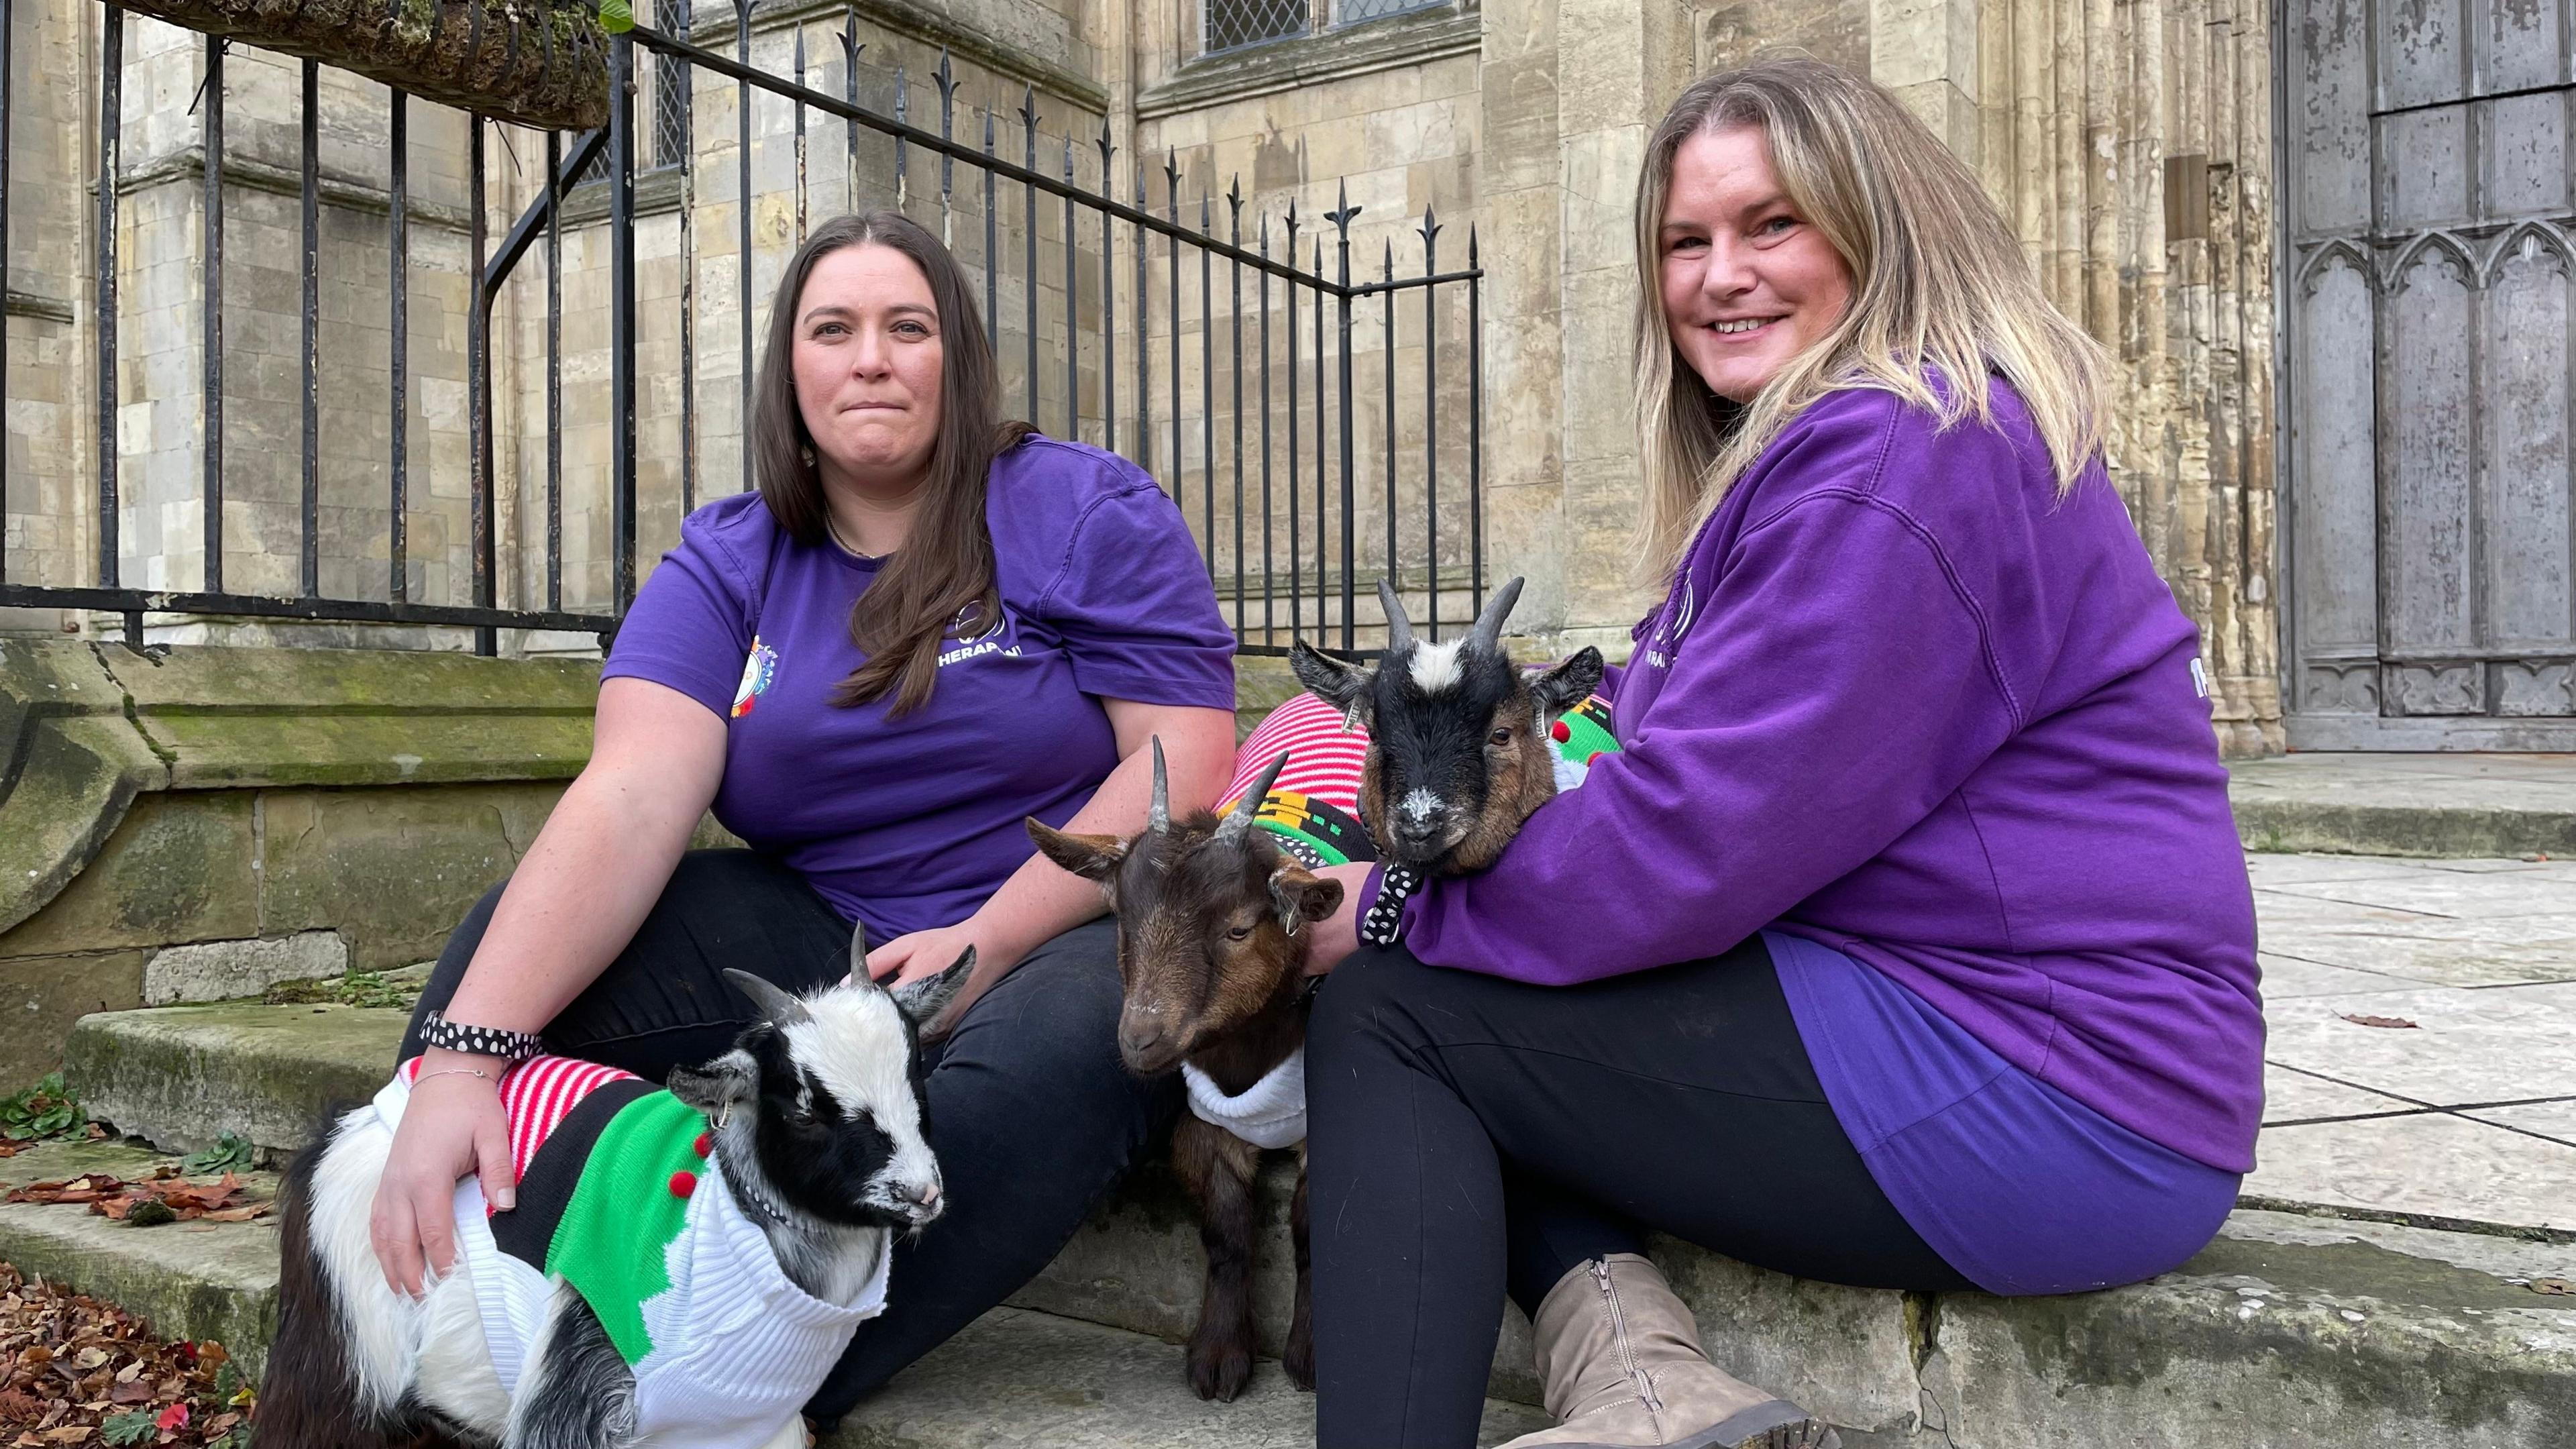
pixel 800 1153
pixel 1459 750
pixel 1211 915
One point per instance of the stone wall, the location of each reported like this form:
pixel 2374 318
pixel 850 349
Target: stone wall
pixel 2130 146
pixel 202 824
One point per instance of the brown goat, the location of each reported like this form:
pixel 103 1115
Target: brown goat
pixel 1210 918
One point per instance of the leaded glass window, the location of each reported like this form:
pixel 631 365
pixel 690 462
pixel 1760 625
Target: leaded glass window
pixel 1231 24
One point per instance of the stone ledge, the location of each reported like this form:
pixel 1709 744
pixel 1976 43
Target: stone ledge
pixel 2423 805
pixel 2332 1333
pixel 189 1280
pixel 179 1077
pixel 87 728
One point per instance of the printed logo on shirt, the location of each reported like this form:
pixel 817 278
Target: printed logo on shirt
pixel 759 671
pixel 1668 632
pixel 2199 677
pixel 976 638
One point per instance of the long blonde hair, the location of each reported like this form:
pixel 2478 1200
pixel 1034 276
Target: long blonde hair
pixel 1938 284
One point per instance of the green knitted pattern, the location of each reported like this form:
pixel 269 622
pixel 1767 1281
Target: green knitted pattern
pixel 611 1241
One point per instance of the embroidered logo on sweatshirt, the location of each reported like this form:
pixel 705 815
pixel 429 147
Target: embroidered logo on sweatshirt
pixel 2199 677
pixel 759 671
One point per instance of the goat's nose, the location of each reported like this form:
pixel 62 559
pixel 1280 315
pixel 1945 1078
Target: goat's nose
pixel 1139 1035
pixel 927 1194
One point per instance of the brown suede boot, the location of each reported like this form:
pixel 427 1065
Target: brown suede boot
pixel 1620 1360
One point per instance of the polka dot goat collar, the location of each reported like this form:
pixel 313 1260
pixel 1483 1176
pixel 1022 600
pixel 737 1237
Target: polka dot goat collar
pixel 1385 920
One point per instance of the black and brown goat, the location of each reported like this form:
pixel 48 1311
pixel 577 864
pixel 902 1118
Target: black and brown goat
pixel 1459 752
pixel 1211 919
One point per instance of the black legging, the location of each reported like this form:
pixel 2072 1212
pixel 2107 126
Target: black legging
pixel 1470 1134
pixel 1032 1113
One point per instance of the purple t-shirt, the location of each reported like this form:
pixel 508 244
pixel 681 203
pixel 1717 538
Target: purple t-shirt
pixel 1904 701
pixel 910 823
pixel 2015 1184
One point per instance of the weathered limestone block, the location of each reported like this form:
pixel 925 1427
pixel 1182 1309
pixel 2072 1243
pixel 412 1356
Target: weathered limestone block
pixel 2326 1334
pixel 392 871
pixel 225 970
pixel 41 996
pixel 181 1076
pixel 178 868
pixel 1845 1353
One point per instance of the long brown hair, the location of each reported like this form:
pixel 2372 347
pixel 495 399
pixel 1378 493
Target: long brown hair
pixel 945 568
pixel 1938 283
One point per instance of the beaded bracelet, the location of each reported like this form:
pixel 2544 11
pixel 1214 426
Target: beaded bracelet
pixel 482 1041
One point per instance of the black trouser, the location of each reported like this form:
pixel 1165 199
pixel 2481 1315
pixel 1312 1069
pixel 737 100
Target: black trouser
pixel 1032 1113
pixel 1470 1134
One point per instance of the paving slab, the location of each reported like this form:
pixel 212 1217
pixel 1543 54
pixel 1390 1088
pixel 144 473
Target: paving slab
pixel 2288 977
pixel 2428 1166
pixel 2467 1048
pixel 2293 1096
pixel 1016 1379
pixel 188 1280
pixel 2553 1120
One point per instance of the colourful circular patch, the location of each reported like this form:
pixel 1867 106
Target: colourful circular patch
pixel 683 1183
pixel 1559 732
pixel 706 1142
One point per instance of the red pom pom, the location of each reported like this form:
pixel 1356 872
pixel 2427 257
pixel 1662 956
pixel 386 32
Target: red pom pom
pixel 1559 732
pixel 683 1183
pixel 705 1143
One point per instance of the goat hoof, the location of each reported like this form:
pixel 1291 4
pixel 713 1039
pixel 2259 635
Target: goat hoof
pixel 1299 1361
pixel 1219 1371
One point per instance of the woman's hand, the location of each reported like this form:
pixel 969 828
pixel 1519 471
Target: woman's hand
pixel 927 953
pixel 452 1128
pixel 1337 935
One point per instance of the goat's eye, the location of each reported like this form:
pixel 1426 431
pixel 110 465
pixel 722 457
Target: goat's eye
pixel 1502 736
pixel 1239 933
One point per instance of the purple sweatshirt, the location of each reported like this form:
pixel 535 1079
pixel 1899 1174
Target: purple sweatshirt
pixel 1904 701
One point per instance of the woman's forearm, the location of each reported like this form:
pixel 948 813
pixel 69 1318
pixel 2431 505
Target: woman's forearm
pixel 571 906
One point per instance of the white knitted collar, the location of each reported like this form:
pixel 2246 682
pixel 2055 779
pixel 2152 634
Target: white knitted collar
pixel 1269 1113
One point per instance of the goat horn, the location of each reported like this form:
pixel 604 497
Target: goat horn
pixel 1488 633
pixel 781 1009
pixel 1399 629
pixel 1250 805
pixel 1158 814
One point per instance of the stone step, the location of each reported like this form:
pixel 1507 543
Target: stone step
pixel 2329 1332
pixel 2462 805
pixel 180 1076
pixel 1014 1378
pixel 1022 1380
pixel 189 1280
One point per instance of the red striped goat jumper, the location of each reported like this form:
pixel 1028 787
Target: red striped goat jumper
pixel 1314 806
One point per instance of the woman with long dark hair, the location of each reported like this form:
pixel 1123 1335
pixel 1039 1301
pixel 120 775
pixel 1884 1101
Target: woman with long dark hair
pixel 925 625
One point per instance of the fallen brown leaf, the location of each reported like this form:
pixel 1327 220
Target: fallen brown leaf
pixel 2391 1021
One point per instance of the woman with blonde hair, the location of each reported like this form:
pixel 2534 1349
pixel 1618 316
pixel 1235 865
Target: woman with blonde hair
pixel 1907 943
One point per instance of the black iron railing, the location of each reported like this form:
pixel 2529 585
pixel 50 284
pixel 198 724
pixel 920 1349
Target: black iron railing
pixel 1284 490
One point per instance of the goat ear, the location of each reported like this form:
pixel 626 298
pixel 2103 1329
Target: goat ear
pixel 1569 683
pixel 923 1000
pixel 1345 686
pixel 1092 857
pixel 728 1081
pixel 1300 896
